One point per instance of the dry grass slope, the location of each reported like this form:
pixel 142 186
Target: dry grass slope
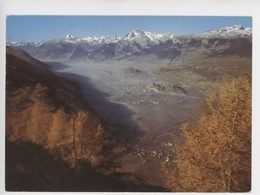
pixel 215 155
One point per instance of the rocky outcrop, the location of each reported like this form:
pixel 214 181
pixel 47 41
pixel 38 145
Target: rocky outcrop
pixel 169 87
pixel 130 71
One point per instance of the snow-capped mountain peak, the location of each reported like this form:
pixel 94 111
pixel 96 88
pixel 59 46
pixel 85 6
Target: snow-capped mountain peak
pixel 238 26
pixel 135 33
pixel 135 42
pixel 156 37
pixel 69 37
pixel 146 39
pixel 101 39
pixel 228 32
pixel 152 37
pixel 137 37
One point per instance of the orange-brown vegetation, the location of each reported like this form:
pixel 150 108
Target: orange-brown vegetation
pixel 50 111
pixel 215 153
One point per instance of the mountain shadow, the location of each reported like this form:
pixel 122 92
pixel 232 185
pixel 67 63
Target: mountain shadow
pixel 29 167
pixel 118 116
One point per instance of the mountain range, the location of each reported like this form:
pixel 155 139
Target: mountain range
pixel 135 43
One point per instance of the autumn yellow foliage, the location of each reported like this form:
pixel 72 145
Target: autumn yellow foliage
pixel 51 111
pixel 215 153
pixel 74 135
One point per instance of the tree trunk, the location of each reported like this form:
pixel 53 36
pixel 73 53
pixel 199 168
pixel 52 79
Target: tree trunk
pixel 74 143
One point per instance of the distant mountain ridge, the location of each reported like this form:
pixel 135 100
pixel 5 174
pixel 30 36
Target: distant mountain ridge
pixel 136 42
pixel 228 32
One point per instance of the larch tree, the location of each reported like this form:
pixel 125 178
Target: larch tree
pixel 215 153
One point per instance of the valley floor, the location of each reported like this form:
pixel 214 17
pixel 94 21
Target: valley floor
pixel 146 100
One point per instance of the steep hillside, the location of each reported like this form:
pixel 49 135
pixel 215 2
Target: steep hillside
pixel 50 111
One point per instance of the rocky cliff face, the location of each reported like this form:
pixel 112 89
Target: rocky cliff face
pixel 47 110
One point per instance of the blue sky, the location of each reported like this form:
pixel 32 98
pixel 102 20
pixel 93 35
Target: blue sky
pixel 37 28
